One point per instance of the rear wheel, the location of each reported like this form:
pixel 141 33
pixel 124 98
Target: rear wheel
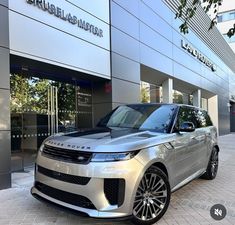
pixel 152 197
pixel 213 164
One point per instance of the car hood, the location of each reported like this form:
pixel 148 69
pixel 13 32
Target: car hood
pixel 108 140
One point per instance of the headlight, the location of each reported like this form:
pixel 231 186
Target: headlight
pixel 111 157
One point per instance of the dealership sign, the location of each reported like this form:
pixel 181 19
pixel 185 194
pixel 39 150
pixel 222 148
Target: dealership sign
pixel 197 54
pixel 66 16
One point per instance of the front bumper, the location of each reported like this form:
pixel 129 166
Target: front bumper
pixel 64 184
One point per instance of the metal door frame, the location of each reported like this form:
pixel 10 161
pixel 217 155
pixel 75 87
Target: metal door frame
pixel 53 121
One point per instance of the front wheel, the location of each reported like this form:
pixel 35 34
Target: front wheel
pixel 152 197
pixel 212 167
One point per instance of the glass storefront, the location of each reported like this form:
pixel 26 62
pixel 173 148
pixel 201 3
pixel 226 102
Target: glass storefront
pixel 182 98
pixel 204 103
pixel 41 107
pixel 150 93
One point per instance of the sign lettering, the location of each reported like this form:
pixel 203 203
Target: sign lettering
pixel 60 13
pixel 194 52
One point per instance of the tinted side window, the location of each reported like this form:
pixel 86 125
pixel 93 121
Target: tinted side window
pixel 204 119
pixel 201 118
pixel 188 114
pixel 208 120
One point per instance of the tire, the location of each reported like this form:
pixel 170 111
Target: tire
pixel 152 197
pixel 212 167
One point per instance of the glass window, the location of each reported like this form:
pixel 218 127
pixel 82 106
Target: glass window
pixel 150 93
pixel 222 17
pixel 143 117
pixel 204 103
pixel 203 119
pixel 182 98
pixel 232 15
pixel 208 120
pixel 188 114
pixel 199 118
pixel 41 107
pixel 231 39
pixel 145 92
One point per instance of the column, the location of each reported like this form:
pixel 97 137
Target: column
pixel 213 111
pixel 167 91
pixel 5 141
pixel 197 98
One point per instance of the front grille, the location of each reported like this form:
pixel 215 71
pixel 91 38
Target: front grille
pixel 114 190
pixel 70 198
pixel 67 155
pixel 64 177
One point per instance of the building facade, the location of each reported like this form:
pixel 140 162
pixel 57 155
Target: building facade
pixel 226 20
pixel 65 64
pixel 154 51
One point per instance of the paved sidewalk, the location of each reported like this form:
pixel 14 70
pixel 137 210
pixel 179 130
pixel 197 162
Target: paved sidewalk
pixel 189 205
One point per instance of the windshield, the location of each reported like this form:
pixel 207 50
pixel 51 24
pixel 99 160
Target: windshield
pixel 143 117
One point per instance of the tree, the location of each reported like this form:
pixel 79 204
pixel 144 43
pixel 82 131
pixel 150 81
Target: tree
pixel 145 92
pixel 187 9
pixel 19 89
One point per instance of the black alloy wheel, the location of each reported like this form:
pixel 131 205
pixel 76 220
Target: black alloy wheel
pixel 213 165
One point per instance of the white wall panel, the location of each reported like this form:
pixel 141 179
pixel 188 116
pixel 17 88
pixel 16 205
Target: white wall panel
pixel 124 21
pixel 154 40
pixel 99 8
pixel 38 41
pixel 37 34
pixel 38 14
pixel 155 60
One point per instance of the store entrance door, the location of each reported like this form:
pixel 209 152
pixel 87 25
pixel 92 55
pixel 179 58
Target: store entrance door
pixel 39 108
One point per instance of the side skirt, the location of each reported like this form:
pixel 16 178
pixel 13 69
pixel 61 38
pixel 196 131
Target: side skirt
pixel 187 180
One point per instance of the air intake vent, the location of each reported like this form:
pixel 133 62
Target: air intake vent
pixel 114 190
pixel 70 198
pixel 64 177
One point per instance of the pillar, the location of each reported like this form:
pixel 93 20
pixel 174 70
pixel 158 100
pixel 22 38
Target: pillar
pixel 197 98
pixel 213 111
pixel 167 91
pixel 5 141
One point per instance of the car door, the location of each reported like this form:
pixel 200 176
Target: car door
pixel 186 146
pixel 203 136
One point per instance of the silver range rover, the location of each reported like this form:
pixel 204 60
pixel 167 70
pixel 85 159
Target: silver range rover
pixel 128 165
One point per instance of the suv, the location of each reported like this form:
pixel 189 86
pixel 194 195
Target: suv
pixel 130 163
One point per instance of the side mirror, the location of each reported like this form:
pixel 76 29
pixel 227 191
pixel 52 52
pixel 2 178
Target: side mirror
pixel 187 127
